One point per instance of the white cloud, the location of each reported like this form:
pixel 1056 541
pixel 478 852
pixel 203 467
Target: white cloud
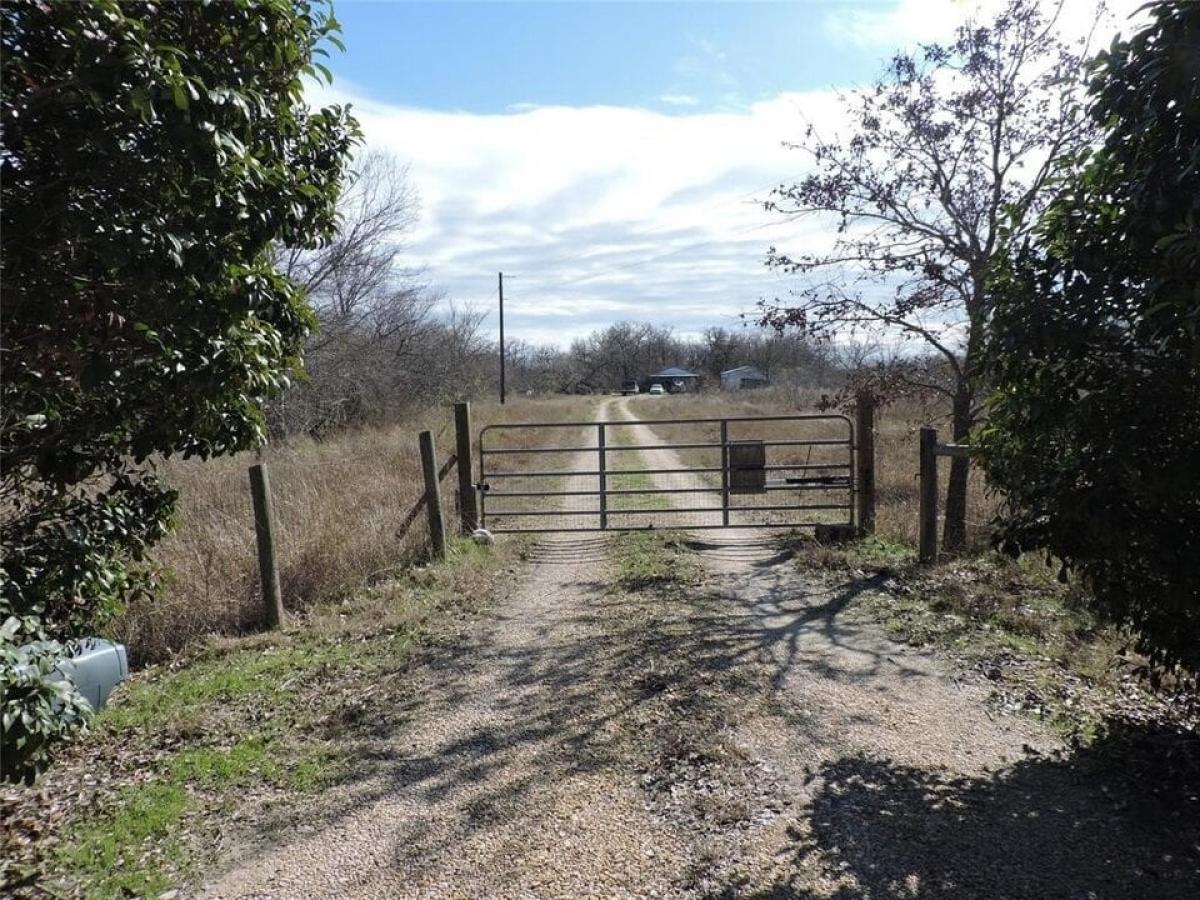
pixel 907 22
pixel 597 214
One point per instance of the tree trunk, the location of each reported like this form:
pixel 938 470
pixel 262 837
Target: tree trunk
pixel 954 535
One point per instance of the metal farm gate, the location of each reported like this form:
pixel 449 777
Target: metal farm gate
pixel 620 475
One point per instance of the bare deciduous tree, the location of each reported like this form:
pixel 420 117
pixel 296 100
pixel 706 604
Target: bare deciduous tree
pixel 950 147
pixel 386 340
pixel 357 279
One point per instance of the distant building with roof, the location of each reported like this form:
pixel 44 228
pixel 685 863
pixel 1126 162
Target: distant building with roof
pixel 742 378
pixel 675 380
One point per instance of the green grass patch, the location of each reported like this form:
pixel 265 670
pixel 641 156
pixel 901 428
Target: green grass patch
pixel 276 715
pixel 129 853
pixel 247 760
pixel 636 481
pixel 878 554
pixel 314 770
pixel 981 604
pixel 653 559
pixel 135 848
pixel 180 698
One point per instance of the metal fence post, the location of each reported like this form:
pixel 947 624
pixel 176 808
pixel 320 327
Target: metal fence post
pixel 864 413
pixel 927 544
pixel 264 533
pixel 603 477
pixel 467 507
pixel 724 472
pixel 433 495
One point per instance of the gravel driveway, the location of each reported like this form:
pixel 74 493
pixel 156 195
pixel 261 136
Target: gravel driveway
pixel 745 736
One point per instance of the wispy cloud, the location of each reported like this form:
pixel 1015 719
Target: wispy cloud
pixel 600 213
pixel 906 22
pixel 679 100
pixel 704 75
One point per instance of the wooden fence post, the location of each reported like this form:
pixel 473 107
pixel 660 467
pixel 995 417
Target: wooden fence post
pixel 264 533
pixel 927 549
pixel 468 512
pixel 864 414
pixel 433 495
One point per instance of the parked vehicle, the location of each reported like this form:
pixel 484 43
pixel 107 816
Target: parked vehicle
pixel 630 387
pixel 656 389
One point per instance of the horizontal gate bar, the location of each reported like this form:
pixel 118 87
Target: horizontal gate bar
pixel 805 417
pixel 840 486
pixel 798 443
pixel 697 446
pixel 777 467
pixel 607 448
pixel 699 490
pixel 652 527
pixel 499 514
pixel 804 467
pixel 609 472
pixel 497 450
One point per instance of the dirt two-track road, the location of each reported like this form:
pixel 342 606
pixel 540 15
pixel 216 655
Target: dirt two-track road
pixel 742 735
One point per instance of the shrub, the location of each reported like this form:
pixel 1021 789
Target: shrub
pixel 154 158
pixel 37 709
pixel 1094 349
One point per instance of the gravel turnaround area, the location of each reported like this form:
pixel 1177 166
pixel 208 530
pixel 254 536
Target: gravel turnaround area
pixel 739 735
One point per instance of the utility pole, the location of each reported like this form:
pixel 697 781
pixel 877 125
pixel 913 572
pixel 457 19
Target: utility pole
pixel 501 338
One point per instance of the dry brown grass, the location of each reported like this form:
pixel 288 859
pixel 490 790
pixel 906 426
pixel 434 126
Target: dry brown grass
pixel 338 505
pixel 896 464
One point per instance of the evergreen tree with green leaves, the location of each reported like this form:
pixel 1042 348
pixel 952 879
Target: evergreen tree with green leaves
pixel 154 154
pixel 1093 428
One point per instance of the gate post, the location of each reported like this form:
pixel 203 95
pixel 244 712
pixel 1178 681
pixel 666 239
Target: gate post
pixel 603 477
pixel 864 413
pixel 433 495
pixel 725 472
pixel 264 535
pixel 467 512
pixel 927 543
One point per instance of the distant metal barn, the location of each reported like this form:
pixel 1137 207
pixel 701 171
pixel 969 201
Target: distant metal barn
pixel 743 377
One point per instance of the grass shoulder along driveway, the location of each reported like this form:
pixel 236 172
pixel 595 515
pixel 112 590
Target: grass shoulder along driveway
pixel 233 734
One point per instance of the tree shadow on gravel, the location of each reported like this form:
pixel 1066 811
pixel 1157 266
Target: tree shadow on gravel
pixel 589 674
pixel 1119 820
pixel 578 685
pixel 566 690
pixel 791 626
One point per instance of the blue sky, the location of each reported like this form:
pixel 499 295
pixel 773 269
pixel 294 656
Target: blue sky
pixel 494 57
pixel 612 158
